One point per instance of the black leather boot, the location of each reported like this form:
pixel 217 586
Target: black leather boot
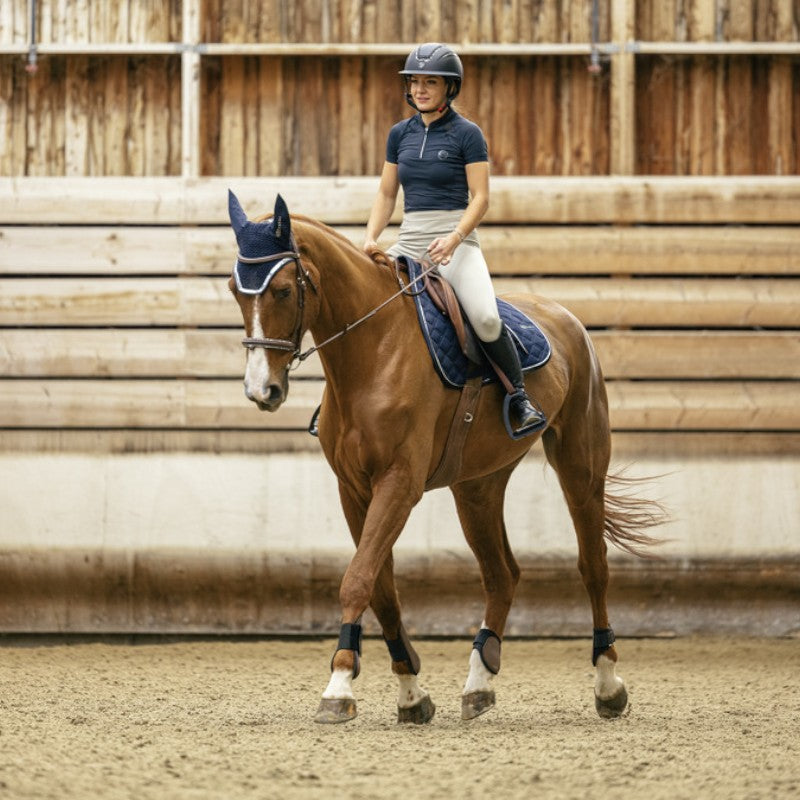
pixel 503 352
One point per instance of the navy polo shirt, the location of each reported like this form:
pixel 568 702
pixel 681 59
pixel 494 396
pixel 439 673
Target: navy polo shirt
pixel 430 162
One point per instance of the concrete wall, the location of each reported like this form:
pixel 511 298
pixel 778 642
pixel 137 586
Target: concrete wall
pixel 257 543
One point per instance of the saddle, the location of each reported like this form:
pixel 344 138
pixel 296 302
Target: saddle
pixel 452 344
pixel 458 357
pixel 443 296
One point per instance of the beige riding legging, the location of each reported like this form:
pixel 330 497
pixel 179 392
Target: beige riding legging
pixel 467 271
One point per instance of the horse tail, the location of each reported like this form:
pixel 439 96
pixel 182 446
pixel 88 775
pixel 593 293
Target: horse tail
pixel 627 516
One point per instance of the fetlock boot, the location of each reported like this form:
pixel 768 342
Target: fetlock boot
pixel 503 353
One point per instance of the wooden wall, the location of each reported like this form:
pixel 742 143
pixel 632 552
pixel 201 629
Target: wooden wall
pixel 227 87
pixel 110 328
pixel 657 199
pixel 387 21
pixel 330 115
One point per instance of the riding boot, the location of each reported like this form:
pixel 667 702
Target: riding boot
pixel 503 353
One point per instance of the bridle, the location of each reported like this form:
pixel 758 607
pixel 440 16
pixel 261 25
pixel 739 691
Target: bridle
pixel 302 276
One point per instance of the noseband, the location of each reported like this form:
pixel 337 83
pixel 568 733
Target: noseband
pixel 301 277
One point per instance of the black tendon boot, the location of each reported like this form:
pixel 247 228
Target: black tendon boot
pixel 503 352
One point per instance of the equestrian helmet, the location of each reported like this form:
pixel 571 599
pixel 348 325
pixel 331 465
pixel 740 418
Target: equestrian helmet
pixel 433 58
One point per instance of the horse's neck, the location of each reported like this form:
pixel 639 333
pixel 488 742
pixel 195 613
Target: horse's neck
pixel 350 286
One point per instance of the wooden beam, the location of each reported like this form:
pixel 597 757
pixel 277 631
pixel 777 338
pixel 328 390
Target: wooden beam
pixel 709 48
pixel 628 445
pixel 510 250
pixel 202 301
pixel 218 404
pixel 190 91
pixel 531 200
pixel 623 91
pixel 703 405
pixel 135 353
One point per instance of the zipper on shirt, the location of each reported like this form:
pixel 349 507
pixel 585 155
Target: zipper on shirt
pixel 424 139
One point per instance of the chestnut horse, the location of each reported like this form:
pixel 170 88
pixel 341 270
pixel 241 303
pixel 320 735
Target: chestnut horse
pixel 384 423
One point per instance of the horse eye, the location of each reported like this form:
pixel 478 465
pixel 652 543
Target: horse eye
pixel 282 294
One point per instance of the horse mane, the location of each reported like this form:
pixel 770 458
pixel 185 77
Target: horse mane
pixel 378 257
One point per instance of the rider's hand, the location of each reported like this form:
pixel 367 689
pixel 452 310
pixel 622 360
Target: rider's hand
pixel 441 249
pixel 370 246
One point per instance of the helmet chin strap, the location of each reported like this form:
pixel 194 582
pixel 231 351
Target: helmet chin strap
pixel 439 110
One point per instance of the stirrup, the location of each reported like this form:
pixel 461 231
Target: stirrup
pixel 525 430
pixel 313 426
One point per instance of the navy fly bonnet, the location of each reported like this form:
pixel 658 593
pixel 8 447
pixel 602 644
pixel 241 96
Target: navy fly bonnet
pixel 264 247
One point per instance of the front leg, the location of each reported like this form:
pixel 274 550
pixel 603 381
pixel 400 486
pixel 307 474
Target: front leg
pixel 368 580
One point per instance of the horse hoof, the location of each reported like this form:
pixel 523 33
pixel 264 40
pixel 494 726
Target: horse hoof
pixel 612 707
pixel 333 709
pixel 476 703
pixel 417 714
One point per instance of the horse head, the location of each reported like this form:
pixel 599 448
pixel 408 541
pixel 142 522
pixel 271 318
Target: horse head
pixel 269 284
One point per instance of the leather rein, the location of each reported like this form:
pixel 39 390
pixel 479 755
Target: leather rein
pixel 302 276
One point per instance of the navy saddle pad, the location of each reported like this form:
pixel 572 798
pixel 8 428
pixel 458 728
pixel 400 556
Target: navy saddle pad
pixel 452 366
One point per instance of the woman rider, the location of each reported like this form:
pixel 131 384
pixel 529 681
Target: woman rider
pixel 441 160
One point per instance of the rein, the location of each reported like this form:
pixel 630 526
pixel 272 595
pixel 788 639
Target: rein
pixel 293 345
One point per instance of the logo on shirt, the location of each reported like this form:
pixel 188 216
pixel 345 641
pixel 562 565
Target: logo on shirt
pixel 442 155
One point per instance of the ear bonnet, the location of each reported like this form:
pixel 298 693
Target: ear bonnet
pixel 264 247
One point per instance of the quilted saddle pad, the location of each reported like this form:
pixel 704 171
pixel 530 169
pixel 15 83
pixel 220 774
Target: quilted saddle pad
pixel 452 366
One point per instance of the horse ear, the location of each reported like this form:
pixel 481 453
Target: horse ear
pixel 236 212
pixel 281 225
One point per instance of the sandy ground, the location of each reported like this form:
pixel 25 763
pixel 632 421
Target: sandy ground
pixel 709 718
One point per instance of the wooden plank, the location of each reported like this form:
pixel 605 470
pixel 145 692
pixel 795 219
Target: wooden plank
pixel 129 353
pixel 114 131
pixel 667 405
pixel 344 200
pixel 683 48
pixel 698 354
pixel 190 91
pixel 181 404
pixel 701 20
pixel 148 404
pixel 622 125
pixel 782 140
pixel 76 131
pixel 737 140
pixel 649 302
pixel 126 353
pixel 579 250
pixel 628 444
pixel 653 302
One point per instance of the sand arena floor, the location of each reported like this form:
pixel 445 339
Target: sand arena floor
pixel 709 718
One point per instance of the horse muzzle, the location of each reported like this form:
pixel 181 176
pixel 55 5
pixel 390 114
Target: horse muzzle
pixel 263 389
pixel 270 399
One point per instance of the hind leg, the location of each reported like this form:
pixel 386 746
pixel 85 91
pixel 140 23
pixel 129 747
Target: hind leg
pixel 480 510
pixel 581 463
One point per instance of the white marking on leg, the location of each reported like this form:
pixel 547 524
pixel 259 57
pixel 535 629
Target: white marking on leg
pixel 479 678
pixel 607 683
pixel 411 692
pixel 340 685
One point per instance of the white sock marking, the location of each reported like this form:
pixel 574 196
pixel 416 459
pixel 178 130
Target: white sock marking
pixel 411 692
pixel 340 685
pixel 479 678
pixel 607 683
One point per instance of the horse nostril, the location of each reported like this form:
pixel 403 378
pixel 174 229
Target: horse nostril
pixel 275 393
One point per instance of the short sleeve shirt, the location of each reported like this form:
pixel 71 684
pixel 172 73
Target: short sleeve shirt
pixel 431 161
